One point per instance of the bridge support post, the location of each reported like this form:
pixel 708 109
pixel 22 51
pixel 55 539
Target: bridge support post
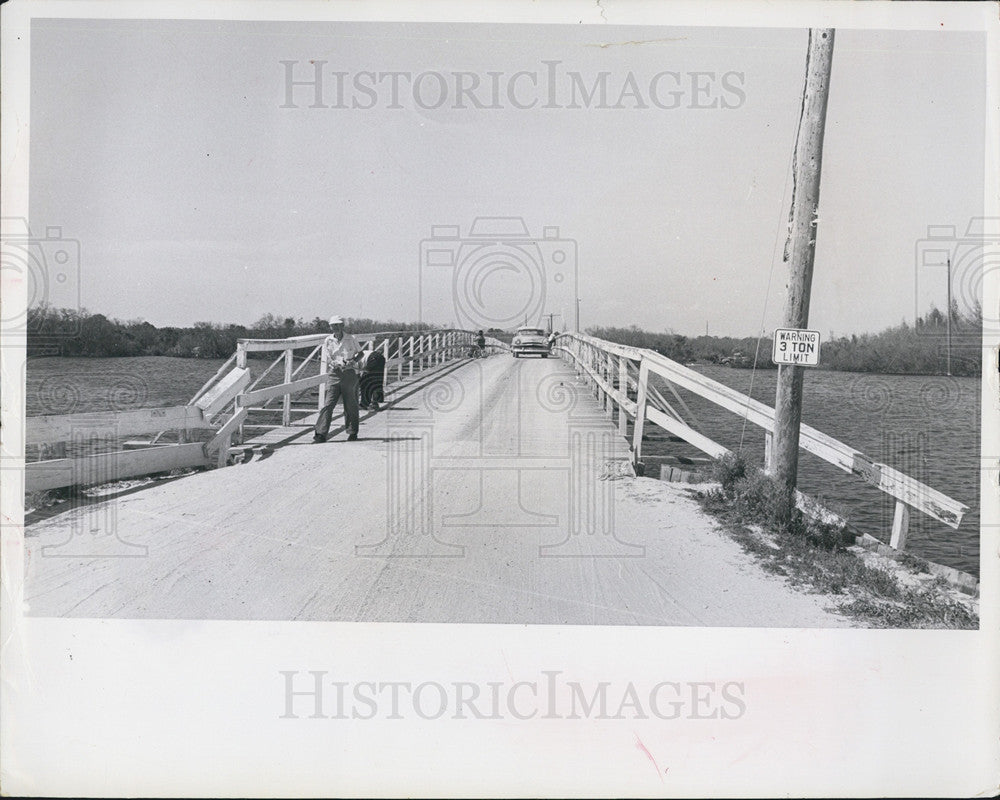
pixel 623 389
pixel 609 400
pixel 324 363
pixel 900 525
pixel 640 412
pixel 286 405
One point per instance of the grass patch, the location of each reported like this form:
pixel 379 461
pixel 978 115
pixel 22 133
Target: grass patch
pixel 813 554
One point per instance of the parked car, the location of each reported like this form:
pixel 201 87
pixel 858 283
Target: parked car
pixel 530 341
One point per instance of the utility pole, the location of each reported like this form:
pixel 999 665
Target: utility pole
pixel 800 252
pixel 550 316
pixel 577 326
pixel 949 317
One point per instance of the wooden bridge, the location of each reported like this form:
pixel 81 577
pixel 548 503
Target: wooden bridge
pixel 488 490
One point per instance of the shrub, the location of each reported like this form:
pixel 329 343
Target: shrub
pixel 728 469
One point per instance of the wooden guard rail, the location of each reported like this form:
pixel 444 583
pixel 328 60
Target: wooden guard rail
pixel 221 407
pixel 620 376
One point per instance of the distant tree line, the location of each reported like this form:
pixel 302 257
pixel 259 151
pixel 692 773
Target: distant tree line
pixel 65 332
pixel 737 352
pixel 917 349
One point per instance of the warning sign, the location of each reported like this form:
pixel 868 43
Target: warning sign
pixel 793 346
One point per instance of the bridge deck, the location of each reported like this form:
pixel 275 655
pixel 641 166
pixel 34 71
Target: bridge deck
pixel 492 491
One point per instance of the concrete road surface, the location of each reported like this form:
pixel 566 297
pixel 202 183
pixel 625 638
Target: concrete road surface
pixel 498 492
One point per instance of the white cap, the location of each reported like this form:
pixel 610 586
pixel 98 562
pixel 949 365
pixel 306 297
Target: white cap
pixel 336 319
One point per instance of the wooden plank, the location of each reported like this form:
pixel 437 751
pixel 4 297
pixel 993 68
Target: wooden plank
pixel 219 446
pixel 293 342
pixel 267 371
pixel 307 360
pixel 310 340
pixel 106 467
pixel 900 526
pixel 620 397
pixel 640 411
pixel 324 368
pixel 687 433
pixel 623 386
pixel 259 395
pixel 891 481
pixel 62 428
pixel 286 405
pixel 218 374
pixel 220 395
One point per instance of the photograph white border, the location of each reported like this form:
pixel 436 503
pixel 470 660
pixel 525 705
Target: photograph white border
pixel 193 708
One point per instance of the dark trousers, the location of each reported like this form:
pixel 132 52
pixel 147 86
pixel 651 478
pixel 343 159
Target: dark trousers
pixel 348 389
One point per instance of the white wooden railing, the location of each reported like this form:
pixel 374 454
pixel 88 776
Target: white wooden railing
pixel 66 443
pixel 620 377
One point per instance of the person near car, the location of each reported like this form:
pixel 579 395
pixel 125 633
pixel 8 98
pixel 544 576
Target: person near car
pixel 342 355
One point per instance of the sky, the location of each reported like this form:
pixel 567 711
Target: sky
pixel 164 148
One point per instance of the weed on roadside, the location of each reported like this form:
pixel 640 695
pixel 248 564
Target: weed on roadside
pixel 813 554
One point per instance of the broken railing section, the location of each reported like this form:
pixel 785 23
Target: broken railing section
pixel 88 449
pixel 92 448
pixel 620 376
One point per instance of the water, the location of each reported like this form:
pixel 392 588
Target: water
pixel 75 385
pixel 926 426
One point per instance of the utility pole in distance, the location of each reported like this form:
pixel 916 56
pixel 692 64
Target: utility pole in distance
pixel 949 317
pixel 800 252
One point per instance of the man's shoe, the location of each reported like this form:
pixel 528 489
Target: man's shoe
pixel 318 438
pixel 352 437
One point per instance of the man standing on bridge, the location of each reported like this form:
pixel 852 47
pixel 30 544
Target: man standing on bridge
pixel 342 354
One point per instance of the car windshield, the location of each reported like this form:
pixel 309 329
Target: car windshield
pixel 531 332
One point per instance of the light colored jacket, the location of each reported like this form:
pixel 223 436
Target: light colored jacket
pixel 340 354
